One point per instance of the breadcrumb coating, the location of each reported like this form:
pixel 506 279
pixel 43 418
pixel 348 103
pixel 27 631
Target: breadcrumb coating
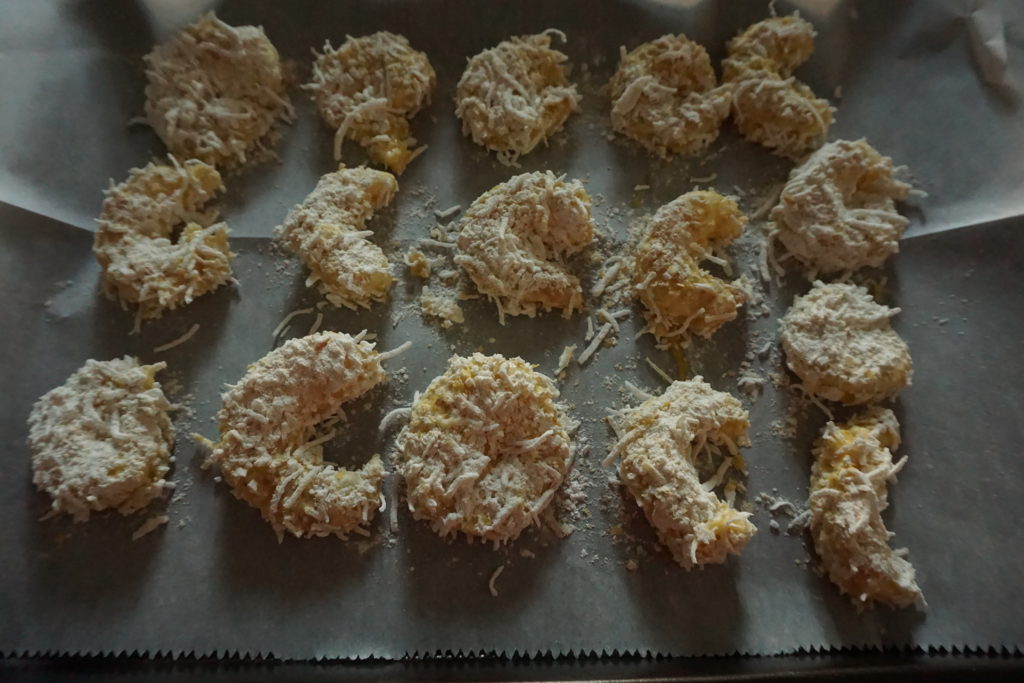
pixel 103 439
pixel 769 105
pixel 840 343
pixel 852 465
pixel 158 247
pixel 665 96
pixel 270 452
pixel 680 297
pixel 513 96
pixel 837 212
pixel 660 441
pixel 515 238
pixel 216 92
pixel 485 449
pixel 444 307
pixel 327 230
pixel 368 89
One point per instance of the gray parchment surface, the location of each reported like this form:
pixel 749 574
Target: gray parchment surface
pixel 924 82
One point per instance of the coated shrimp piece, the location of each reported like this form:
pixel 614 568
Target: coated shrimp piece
pixel 681 298
pixel 216 93
pixel 513 96
pixel 660 441
pixel 515 238
pixel 838 213
pixel 485 449
pixel 665 96
pixel 852 465
pixel 327 231
pixel 103 439
pixel 368 89
pixel 269 451
pixel 144 263
pixel 769 105
pixel 840 343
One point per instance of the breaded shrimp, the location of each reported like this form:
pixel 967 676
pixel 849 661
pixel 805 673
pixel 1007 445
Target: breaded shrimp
pixel 852 465
pixel 486 447
pixel 158 248
pixel 515 95
pixel 269 451
pixel 327 231
pixel 681 298
pixel 659 443
pixel 837 213
pixel 841 344
pixel 666 97
pixel 103 439
pixel 769 105
pixel 515 238
pixel 216 93
pixel 368 89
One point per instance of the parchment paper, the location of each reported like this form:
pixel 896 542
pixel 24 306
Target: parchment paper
pixel 215 580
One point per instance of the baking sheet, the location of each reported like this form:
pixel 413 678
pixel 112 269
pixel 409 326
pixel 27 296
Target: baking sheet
pixel 215 581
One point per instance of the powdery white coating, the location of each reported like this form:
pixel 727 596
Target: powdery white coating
pixel 659 443
pixel 769 105
pixel 328 231
pixel 680 298
pixel 841 345
pixel 513 96
pixel 102 439
pixel 515 238
pixel 143 263
pixel 852 465
pixel 368 89
pixel 485 449
pixel 664 96
pixel 268 453
pixel 441 306
pixel 216 92
pixel 837 211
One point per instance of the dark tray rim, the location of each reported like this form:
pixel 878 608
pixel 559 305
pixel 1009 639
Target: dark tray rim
pixel 955 665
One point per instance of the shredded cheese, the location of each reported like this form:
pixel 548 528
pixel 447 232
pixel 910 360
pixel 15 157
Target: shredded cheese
pixel 316 323
pixel 444 308
pixel 287 319
pixel 565 358
pixel 149 526
pixel 178 341
pixel 657 369
pixel 448 213
pixel 594 344
pixel 494 577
